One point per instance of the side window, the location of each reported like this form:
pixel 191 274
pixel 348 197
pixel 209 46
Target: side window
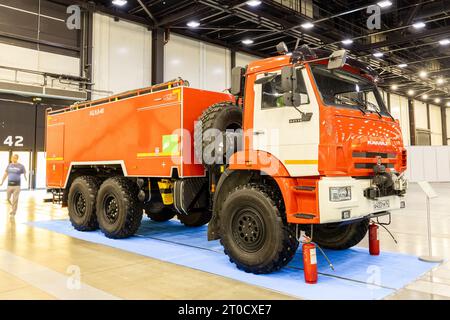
pixel 272 96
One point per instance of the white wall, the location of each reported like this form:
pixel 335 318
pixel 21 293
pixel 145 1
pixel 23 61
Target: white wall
pixel 447 113
pixel 399 110
pixel 243 59
pixel 429 163
pixel 204 66
pixel 436 125
pixel 121 55
pixel 24 58
pixel 420 115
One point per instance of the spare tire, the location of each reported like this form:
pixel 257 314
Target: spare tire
pixel 218 134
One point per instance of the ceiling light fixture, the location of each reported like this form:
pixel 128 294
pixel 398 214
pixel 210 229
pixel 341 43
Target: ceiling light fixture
pixel 247 41
pixel 444 42
pixel 254 3
pixel 193 24
pixel 437 100
pixel 425 97
pixel 411 92
pixel 419 25
pixel 378 54
pixel 402 65
pixel 440 81
pixel 119 3
pixel 307 25
pixel 394 87
pixel 448 104
pixel 347 41
pixel 384 4
pixel 423 74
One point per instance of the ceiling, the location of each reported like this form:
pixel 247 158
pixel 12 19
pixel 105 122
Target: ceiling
pixel 227 23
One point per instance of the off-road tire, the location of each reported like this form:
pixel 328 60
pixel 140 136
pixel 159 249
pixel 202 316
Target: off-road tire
pixel 158 212
pixel 195 219
pixel 83 189
pixel 118 212
pixel 332 236
pixel 220 116
pixel 274 243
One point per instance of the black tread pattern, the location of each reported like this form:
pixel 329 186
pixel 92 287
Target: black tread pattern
pixel 93 184
pixel 161 216
pixel 196 219
pixel 207 120
pixel 288 247
pixel 351 235
pixel 133 213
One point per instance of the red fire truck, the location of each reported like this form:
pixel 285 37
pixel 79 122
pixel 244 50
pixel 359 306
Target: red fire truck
pixel 303 142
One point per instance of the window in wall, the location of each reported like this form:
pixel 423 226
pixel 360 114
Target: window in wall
pixel 272 96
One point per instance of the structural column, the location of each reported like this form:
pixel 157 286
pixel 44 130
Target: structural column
pixel 158 42
pixel 444 126
pixel 412 122
pixel 86 56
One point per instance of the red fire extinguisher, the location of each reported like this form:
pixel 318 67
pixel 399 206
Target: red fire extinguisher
pixel 310 262
pixel 374 241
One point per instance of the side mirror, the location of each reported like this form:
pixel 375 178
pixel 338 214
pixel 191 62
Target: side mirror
pixel 288 79
pixel 237 81
pixel 337 59
pixel 291 99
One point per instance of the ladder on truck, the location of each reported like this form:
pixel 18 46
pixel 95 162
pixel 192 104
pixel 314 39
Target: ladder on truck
pixel 176 83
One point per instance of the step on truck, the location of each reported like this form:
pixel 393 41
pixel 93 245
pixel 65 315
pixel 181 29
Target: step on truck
pixel 303 143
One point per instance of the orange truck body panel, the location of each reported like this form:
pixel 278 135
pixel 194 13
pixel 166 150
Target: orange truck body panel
pixel 131 132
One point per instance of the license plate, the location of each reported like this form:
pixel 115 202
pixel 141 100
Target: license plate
pixel 381 205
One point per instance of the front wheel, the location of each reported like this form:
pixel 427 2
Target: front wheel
pixel 118 212
pixel 340 237
pixel 254 234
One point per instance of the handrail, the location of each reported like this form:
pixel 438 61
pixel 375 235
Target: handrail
pixel 127 94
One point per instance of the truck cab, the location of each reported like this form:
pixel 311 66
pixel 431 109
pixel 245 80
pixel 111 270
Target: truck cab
pixel 316 130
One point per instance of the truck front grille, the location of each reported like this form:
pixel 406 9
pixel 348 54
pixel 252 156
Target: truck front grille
pixel 367 160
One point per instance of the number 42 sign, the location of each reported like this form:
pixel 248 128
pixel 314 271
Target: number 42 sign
pixel 11 141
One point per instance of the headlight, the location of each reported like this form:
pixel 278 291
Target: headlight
pixel 340 194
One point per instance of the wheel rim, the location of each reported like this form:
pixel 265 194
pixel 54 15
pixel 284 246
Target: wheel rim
pixel 248 230
pixel 111 208
pixel 80 204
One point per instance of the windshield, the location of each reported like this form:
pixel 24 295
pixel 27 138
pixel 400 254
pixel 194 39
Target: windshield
pixel 345 89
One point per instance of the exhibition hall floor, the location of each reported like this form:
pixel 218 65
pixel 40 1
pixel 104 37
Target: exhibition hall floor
pixel 38 263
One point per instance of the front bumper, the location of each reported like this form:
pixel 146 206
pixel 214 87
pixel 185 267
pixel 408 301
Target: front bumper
pixel 358 207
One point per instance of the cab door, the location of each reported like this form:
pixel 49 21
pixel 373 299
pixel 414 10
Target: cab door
pixel 290 134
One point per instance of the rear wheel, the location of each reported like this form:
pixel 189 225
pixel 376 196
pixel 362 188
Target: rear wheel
pixel 254 233
pixel 158 212
pixel 82 203
pixel 340 237
pixel 195 219
pixel 118 211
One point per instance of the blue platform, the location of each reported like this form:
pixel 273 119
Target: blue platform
pixel 357 275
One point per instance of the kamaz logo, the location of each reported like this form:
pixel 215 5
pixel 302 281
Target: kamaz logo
pixel 97 112
pixel 377 143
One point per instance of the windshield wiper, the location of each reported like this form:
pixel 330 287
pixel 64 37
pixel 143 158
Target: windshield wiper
pixel 360 104
pixel 343 102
